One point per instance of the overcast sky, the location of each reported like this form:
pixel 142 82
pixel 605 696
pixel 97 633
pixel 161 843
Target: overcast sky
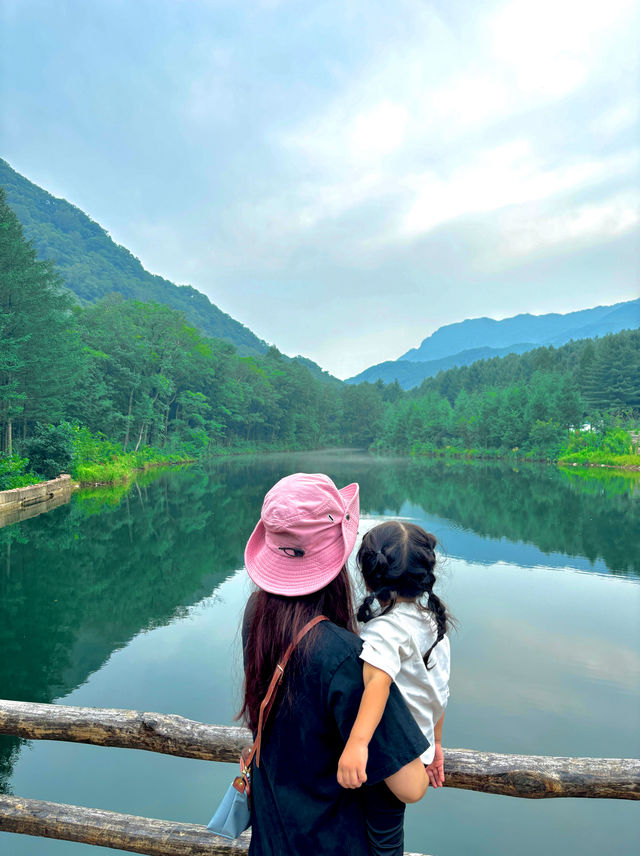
pixel 342 177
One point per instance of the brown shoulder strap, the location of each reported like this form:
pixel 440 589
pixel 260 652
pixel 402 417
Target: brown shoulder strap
pixel 268 700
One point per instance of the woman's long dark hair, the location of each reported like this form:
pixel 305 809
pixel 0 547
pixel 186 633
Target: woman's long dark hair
pixel 272 621
pixel 397 559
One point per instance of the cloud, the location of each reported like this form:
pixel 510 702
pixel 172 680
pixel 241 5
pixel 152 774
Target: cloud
pixel 609 663
pixel 411 129
pixel 507 175
pixel 552 46
pixel 361 139
pixel 621 117
pixel 581 224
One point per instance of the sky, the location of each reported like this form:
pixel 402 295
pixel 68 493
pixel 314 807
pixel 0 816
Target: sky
pixel 342 177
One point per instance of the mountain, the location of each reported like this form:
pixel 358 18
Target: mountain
pixel 410 374
pixel 623 316
pixel 93 265
pixel 552 329
pixel 465 342
pixel 317 371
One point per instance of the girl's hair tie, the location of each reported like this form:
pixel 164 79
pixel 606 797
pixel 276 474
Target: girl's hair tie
pixel 365 613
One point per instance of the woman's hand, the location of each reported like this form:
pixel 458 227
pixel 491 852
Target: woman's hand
pixel 435 770
pixel 352 765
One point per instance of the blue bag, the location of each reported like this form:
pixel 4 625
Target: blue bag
pixel 233 815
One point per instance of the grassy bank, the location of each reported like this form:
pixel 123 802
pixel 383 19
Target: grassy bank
pixel 583 459
pixel 119 467
pixel 91 459
pixel 94 461
pixel 601 459
pixel 122 467
pixel 461 454
pixel 613 448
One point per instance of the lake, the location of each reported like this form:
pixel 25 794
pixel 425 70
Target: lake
pixel 131 598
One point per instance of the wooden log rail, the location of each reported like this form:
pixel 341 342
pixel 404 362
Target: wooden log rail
pixel 110 829
pixel 529 776
pixel 118 831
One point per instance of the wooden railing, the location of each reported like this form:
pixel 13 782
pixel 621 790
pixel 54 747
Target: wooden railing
pixel 528 776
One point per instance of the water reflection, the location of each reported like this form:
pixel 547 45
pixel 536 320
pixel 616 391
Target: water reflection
pixel 592 515
pixel 79 583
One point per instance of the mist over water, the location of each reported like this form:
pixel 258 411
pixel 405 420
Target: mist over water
pixel 131 598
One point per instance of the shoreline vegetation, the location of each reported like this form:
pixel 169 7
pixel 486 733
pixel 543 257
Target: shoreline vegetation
pixel 104 475
pixel 592 459
pixel 93 460
pixel 119 472
pixel 121 468
pixel 614 448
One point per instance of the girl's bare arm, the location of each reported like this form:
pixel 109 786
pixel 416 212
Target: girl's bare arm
pixel 353 761
pixel 435 770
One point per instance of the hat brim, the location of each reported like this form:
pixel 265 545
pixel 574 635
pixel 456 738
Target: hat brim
pixel 278 573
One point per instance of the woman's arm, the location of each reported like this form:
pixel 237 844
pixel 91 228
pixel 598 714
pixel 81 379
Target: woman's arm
pixel 410 783
pixel 353 761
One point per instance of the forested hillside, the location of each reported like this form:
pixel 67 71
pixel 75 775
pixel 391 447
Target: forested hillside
pixel 104 387
pixel 126 375
pixel 93 266
pixel 606 371
pixel 522 402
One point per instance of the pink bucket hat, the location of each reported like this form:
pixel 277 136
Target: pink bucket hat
pixel 305 534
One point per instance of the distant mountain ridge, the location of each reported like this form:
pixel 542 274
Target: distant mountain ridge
pixel 410 373
pixel 465 342
pixel 93 265
pixel 550 329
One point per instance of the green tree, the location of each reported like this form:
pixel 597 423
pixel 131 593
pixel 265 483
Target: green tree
pixel 362 410
pixel 50 449
pixel 39 357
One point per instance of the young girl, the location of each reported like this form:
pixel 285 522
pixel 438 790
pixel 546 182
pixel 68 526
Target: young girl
pixel 405 642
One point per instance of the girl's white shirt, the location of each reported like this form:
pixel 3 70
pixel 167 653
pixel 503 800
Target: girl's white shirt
pixel 396 643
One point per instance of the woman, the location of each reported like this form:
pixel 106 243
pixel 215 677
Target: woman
pixel 297 557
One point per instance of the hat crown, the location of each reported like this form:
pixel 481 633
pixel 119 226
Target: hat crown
pixel 302 497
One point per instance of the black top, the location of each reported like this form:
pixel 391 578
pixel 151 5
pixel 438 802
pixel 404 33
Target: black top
pixel 298 807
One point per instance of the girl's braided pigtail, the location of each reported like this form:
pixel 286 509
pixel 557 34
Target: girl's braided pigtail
pixel 365 613
pixel 439 612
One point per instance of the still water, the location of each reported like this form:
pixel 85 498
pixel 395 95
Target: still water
pixel 131 598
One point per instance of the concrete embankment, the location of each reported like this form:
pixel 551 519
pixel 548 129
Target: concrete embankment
pixel 21 503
